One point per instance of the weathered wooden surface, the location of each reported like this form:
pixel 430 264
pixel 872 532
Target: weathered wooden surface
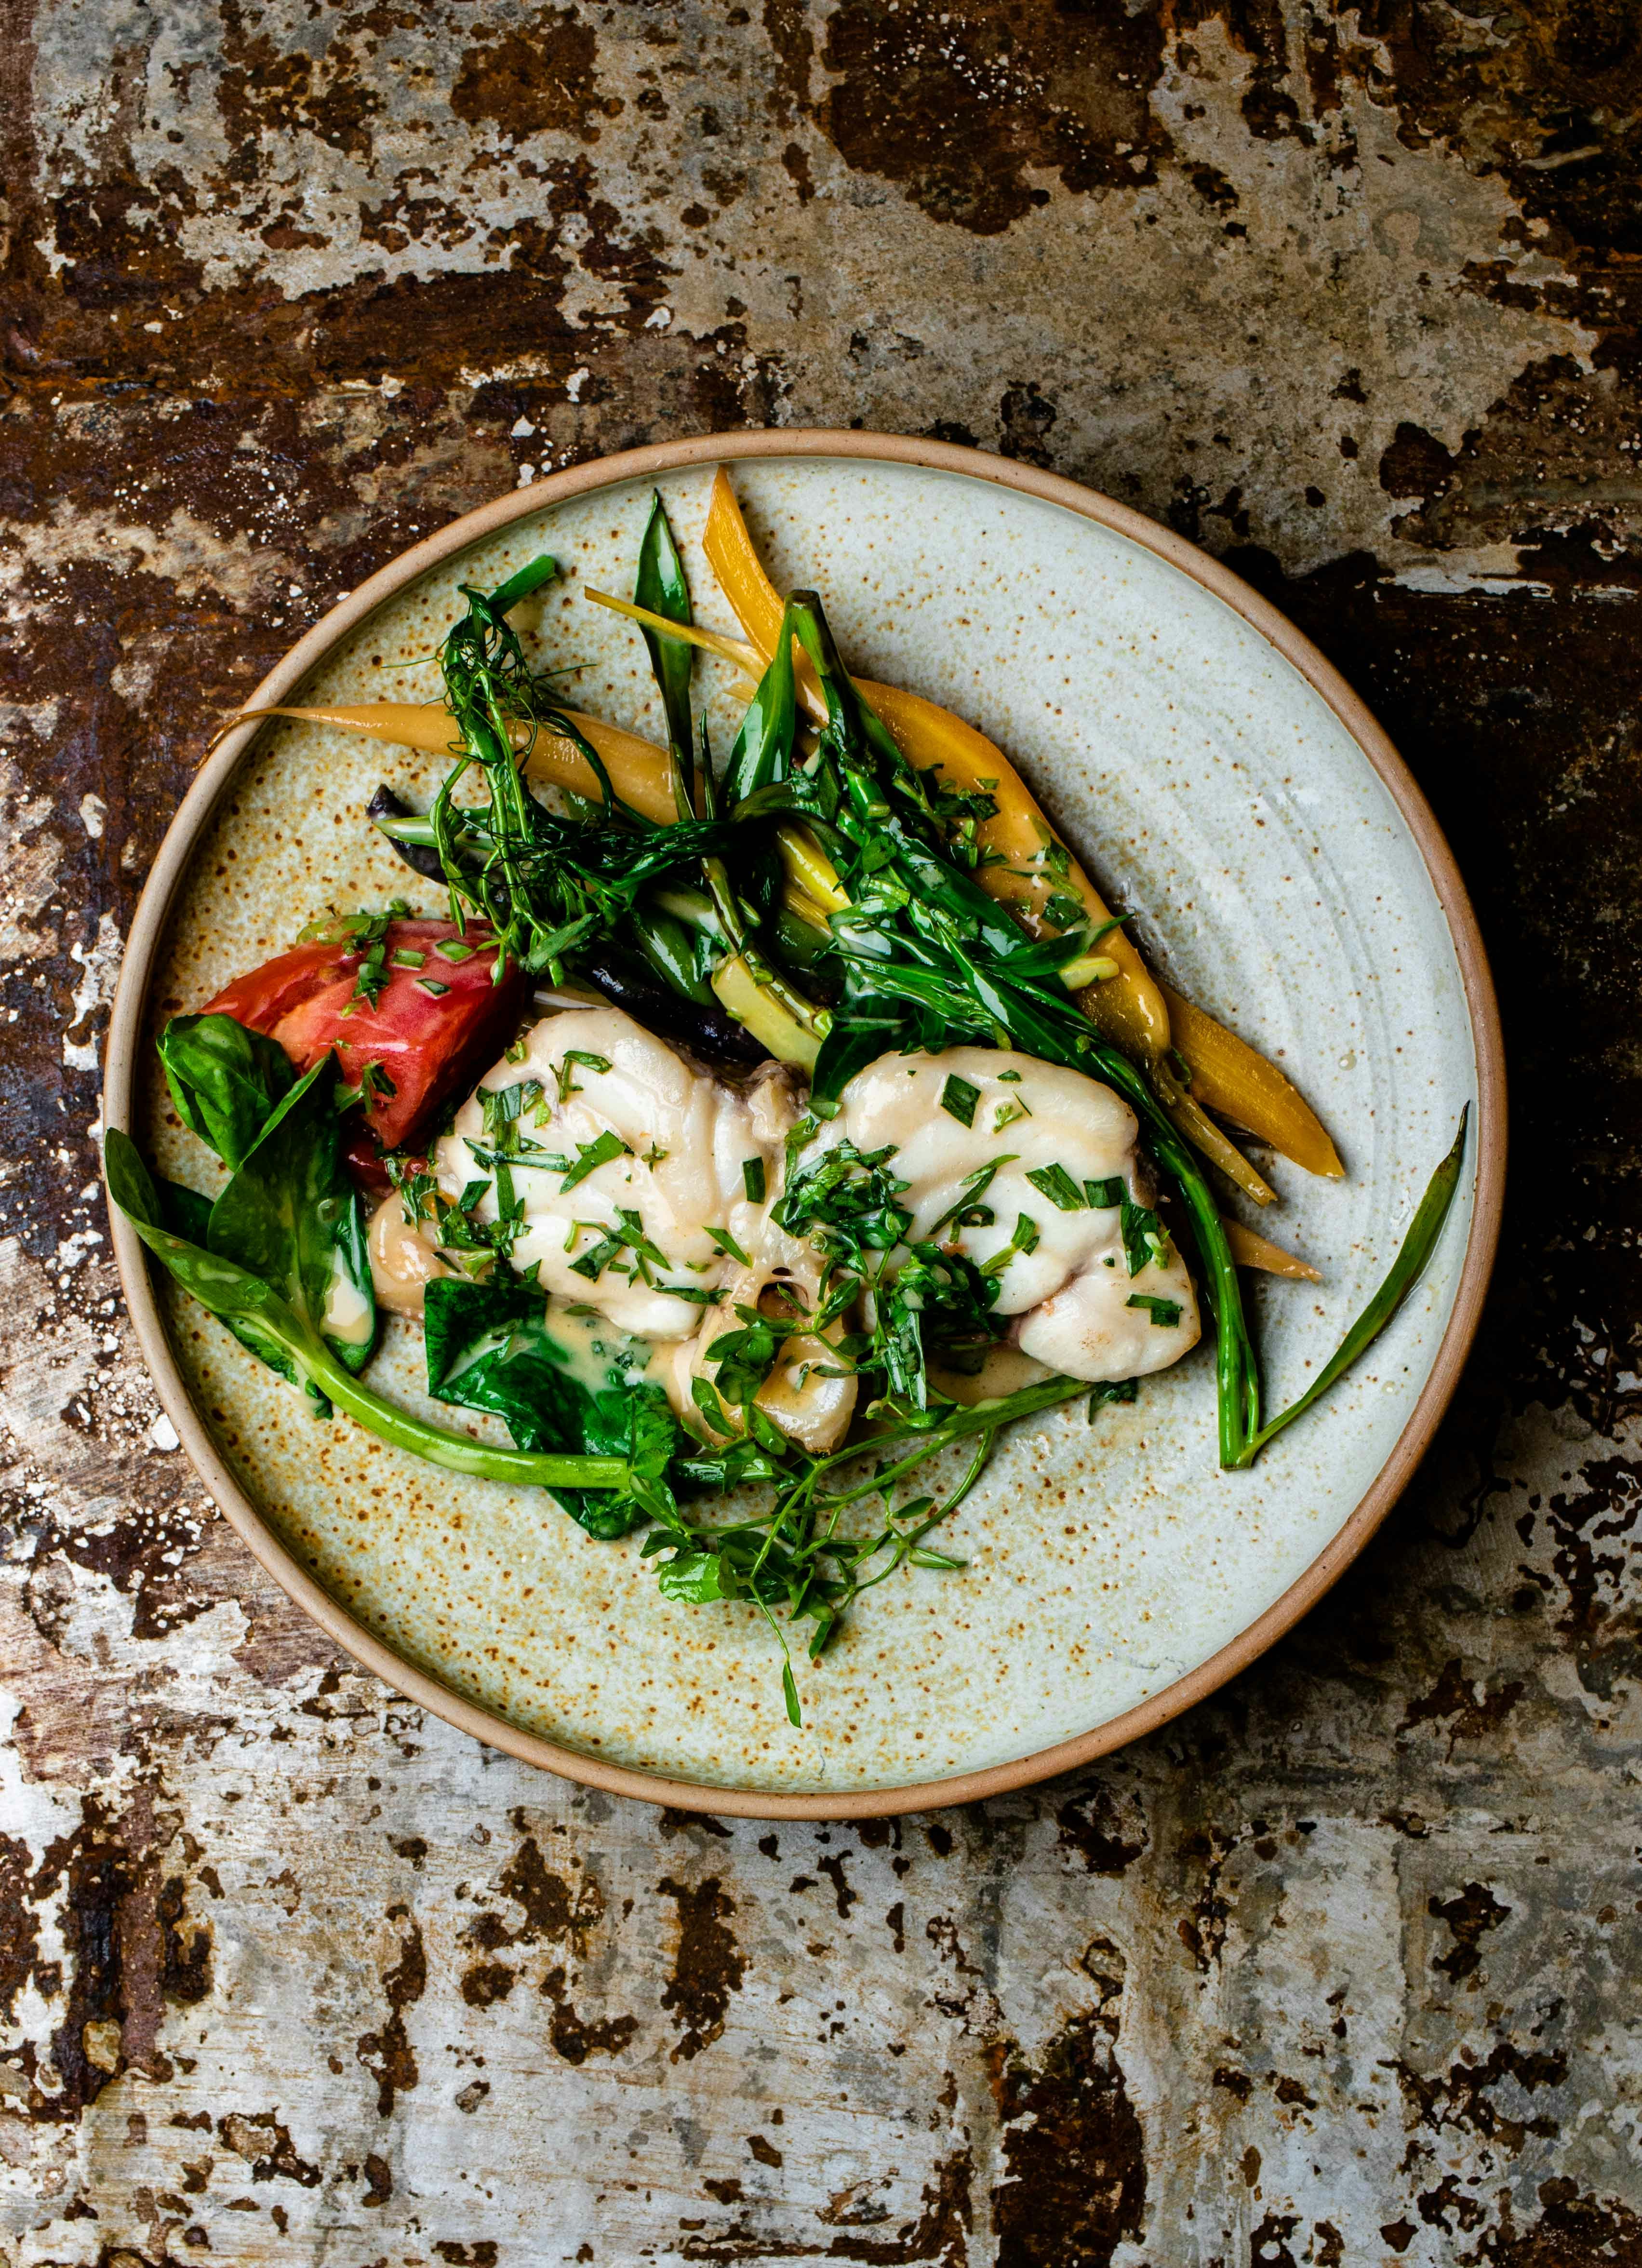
pixel 1340 1970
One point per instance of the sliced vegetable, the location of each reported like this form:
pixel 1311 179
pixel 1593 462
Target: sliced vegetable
pixel 1228 1076
pixel 1250 1249
pixel 765 1016
pixel 424 1047
pixel 1031 865
pixel 637 769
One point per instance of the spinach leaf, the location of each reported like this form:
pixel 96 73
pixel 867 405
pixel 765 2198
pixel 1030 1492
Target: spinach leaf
pixel 292 1215
pixel 225 1081
pixel 490 1348
pixel 239 1298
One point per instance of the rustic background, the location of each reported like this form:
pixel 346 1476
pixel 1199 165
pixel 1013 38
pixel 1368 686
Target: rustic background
pixel 1340 1970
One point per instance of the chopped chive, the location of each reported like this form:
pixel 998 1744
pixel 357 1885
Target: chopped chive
pixel 432 986
pixel 1009 1077
pixel 1165 1313
pixel 1104 1195
pixel 453 948
pixel 1059 1187
pixel 753 1179
pixel 725 1242
pixel 408 956
pixel 958 1099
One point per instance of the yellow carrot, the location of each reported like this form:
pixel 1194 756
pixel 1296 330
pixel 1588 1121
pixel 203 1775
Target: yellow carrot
pixel 1132 1008
pixel 1250 1249
pixel 1228 1076
pixel 639 771
pixel 1128 1007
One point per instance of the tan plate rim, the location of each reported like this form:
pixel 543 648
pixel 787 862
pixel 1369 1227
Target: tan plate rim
pixel 195 814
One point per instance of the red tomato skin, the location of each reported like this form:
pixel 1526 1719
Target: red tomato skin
pixel 429 1047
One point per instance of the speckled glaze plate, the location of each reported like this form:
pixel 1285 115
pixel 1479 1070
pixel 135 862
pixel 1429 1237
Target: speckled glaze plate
pixel 1218 777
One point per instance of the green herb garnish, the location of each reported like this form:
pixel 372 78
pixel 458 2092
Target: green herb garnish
pixel 958 1099
pixel 1059 1187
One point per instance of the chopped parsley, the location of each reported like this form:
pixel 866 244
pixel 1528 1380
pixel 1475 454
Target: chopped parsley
pixel 374 1085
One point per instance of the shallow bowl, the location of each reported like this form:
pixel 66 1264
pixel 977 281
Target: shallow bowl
pixel 1282 868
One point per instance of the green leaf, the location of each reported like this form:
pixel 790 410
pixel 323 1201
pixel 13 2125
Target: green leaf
pixel 1105 1195
pixel 291 1217
pixel 518 587
pixel 753 1179
pixel 660 585
pixel 1059 1187
pixel 1164 1313
pixel 236 1296
pixel 958 1099
pixel 789 1693
pixel 489 1347
pixel 225 1081
pixel 1145 1239
pixel 1417 1245
pixel 1113 1389
pixel 591 1155
pixel 694 1577
pixel 763 754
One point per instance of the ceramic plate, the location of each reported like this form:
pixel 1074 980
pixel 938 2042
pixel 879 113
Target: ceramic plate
pixel 1219 779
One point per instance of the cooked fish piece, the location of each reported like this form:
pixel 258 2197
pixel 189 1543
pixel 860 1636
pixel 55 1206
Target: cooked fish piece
pixel 1075 1305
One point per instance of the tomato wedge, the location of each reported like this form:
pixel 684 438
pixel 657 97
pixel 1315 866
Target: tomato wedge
pixel 434 1025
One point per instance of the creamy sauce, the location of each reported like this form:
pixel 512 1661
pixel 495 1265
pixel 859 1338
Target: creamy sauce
pixel 594 1079
pixel 1071 1295
pixel 684 1140
pixel 348 1315
pixel 403 1261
